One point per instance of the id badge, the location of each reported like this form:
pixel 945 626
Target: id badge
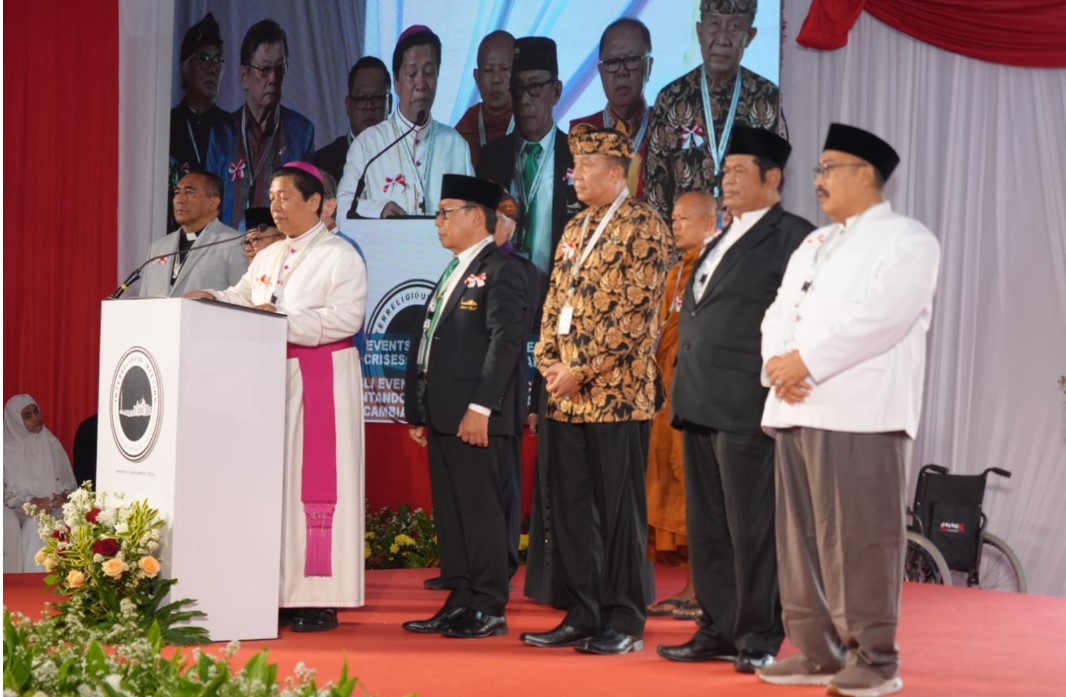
pixel 566 315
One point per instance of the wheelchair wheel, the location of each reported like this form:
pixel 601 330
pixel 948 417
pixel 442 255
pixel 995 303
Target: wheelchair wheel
pixel 923 562
pixel 999 567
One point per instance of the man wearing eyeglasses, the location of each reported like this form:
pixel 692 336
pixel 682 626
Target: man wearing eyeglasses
pixel 534 162
pixel 405 179
pixel 460 402
pixel 262 232
pixel 491 118
pixel 262 135
pixel 196 114
pixel 189 262
pixel 694 115
pixel 367 104
pixel 625 66
pixel 843 349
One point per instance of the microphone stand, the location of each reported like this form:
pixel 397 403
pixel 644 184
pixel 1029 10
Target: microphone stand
pixel 132 278
pixel 360 187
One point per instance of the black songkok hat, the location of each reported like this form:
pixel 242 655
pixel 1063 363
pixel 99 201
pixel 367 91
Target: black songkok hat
pixel 760 143
pixel 862 144
pixel 535 53
pixel 254 217
pixel 471 189
pixel 204 33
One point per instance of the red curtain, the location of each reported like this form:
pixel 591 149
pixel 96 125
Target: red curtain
pixel 1030 33
pixel 60 200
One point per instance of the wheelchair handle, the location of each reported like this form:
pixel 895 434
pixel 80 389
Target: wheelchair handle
pixel 996 470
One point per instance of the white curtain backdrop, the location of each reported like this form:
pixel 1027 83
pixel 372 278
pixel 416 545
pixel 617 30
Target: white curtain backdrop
pixel 983 151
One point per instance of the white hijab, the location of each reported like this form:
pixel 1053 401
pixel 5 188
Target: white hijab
pixel 35 464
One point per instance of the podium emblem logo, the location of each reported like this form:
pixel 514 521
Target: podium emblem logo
pixel 391 326
pixel 136 404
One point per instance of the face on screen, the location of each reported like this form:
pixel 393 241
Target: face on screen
pixel 723 39
pixel 201 72
pixel 533 112
pixel 493 74
pixel 263 76
pixel 416 80
pixel 623 84
pixel 367 98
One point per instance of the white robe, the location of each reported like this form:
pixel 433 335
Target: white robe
pixel 325 300
pixel 35 466
pixel 448 154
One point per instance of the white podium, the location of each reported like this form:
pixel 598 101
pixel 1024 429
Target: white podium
pixel 192 418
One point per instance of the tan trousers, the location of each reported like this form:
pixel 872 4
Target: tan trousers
pixel 840 544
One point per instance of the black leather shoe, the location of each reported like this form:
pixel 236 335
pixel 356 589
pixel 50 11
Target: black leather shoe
pixel 314 619
pixel 563 635
pixel 445 617
pixel 437 583
pixel 699 649
pixel 749 661
pixel 285 616
pixel 610 642
pixel 477 625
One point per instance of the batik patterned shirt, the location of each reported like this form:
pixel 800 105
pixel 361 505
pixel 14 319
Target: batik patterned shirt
pixel 679 156
pixel 609 349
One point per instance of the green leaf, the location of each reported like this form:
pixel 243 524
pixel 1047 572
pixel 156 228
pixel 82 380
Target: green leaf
pixel 95 659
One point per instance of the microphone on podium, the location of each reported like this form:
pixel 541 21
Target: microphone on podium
pixel 132 278
pixel 420 120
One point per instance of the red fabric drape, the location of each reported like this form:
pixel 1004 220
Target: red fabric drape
pixel 1029 33
pixel 60 200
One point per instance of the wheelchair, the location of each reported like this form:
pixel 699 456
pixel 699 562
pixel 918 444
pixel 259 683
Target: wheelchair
pixel 947 534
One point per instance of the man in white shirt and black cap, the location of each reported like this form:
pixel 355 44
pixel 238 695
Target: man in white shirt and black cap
pixel 843 347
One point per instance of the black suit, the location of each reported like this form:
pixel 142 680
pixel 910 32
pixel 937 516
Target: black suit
pixel 332 157
pixel 717 400
pixel 476 348
pixel 497 163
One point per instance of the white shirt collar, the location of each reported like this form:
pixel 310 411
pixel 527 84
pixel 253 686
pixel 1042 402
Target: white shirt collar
pixel 543 141
pixel 406 124
pixel 300 239
pixel 742 222
pixel 467 255
pixel 848 222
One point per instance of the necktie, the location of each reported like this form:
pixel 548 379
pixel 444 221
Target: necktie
pixel 530 170
pixel 434 314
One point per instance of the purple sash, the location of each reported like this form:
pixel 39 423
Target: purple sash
pixel 318 489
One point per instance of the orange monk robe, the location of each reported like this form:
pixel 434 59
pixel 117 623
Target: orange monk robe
pixel 666 466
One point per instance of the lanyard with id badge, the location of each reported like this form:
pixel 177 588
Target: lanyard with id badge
pixel 566 314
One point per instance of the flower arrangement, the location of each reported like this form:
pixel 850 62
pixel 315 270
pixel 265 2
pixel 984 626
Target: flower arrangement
pixel 407 539
pixel 400 539
pixel 50 657
pixel 101 555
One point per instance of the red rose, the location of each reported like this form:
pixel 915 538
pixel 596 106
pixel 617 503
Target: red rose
pixel 59 535
pixel 107 547
pixel 91 515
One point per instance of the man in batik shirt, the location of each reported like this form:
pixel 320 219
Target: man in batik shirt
pixel 684 153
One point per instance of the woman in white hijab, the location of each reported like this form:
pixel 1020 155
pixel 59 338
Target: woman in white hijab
pixel 37 471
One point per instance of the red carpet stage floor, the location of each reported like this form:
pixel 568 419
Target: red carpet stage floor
pixel 955 642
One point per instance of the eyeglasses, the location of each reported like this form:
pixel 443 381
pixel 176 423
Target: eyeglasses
pixel 209 60
pixel 531 88
pixel 442 213
pixel 264 71
pixel 257 242
pixel 631 63
pixel 823 170
pixel 375 100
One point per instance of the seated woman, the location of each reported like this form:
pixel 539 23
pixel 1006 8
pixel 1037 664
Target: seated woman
pixel 37 471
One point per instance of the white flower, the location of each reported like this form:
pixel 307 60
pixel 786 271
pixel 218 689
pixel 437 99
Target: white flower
pixel 115 681
pixel 98 558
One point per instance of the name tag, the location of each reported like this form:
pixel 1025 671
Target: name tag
pixel 566 316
